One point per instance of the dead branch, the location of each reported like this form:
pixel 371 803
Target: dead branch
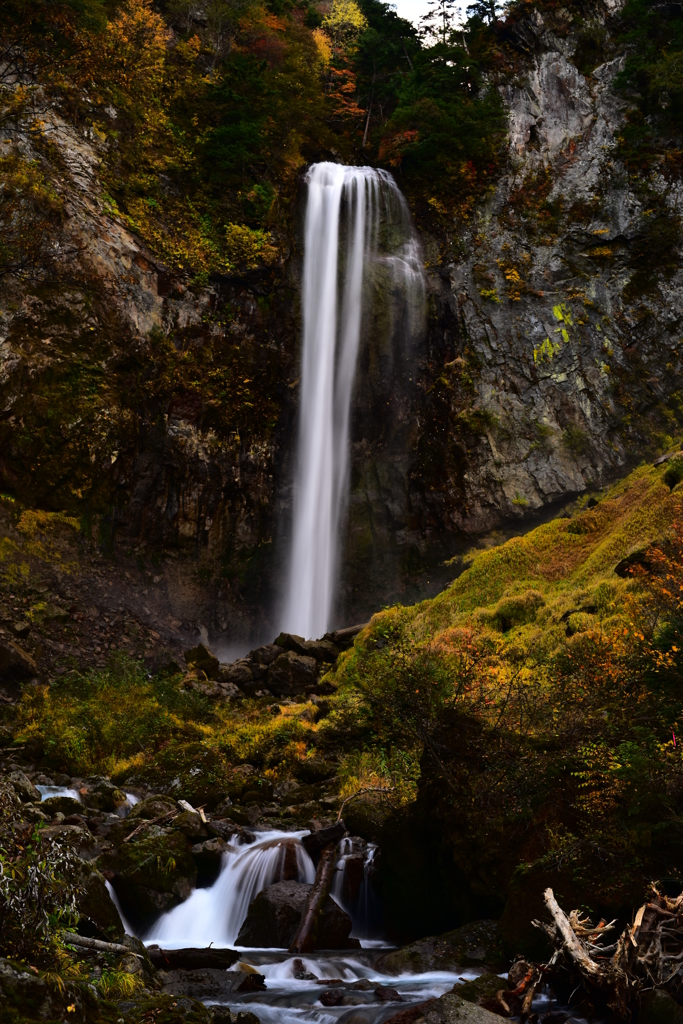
pixel 646 955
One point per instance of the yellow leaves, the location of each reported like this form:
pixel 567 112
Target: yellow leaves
pixel 344 22
pixel 33 520
pixel 323 47
pixel 248 248
pixel 137 41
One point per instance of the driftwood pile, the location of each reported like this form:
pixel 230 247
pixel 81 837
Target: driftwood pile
pixel 610 976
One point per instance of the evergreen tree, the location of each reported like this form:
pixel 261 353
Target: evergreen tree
pixel 440 19
pixel 485 10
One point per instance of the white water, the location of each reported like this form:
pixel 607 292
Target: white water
pixel 357 222
pixel 48 791
pixel 215 915
pixel 363 906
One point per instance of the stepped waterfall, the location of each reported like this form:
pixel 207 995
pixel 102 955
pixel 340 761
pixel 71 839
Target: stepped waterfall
pixel 359 248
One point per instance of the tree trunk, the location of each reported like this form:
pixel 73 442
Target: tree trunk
pixel 307 933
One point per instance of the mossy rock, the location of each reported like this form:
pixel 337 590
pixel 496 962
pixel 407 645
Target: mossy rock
pixel 365 819
pixel 185 771
pixel 152 807
pixel 476 944
pixel 151 874
pixel 102 795
pixel 482 990
pixel 660 1008
pixel 62 805
pixel 99 917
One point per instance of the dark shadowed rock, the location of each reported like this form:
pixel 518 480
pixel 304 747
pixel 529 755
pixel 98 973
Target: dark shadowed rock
pixel 275 913
pixel 24 788
pixel 151 874
pixel 208 857
pixel 473 945
pixel 266 654
pixel 15 663
pixel 238 673
pixel 210 983
pixel 322 837
pixel 102 795
pixel 152 807
pixel 291 674
pixel 202 658
pixel 99 917
pixel 453 1009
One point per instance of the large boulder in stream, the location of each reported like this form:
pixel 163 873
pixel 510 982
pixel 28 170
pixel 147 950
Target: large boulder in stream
pixel 449 1009
pixel 151 874
pixel 274 916
pixel 476 944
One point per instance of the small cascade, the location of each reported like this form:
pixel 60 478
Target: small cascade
pixel 354 888
pixel 215 915
pixel 360 249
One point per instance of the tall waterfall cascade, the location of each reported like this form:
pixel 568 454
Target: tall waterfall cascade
pixel 360 248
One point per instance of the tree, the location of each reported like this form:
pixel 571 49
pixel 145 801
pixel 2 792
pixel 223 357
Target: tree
pixel 485 10
pixel 440 19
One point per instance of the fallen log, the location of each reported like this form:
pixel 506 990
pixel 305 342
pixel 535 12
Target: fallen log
pixel 103 947
pixel 307 932
pixel 192 959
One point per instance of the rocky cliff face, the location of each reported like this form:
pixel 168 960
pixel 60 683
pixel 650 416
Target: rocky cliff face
pixel 164 413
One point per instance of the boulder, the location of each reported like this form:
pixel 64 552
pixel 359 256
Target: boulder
pixel 229 691
pixel 99 917
pixel 453 1009
pixel 202 658
pixel 208 856
pixel 102 795
pixel 62 805
pixel 474 945
pixel 322 837
pixel 191 825
pixel 660 1008
pixel 238 673
pixel 152 807
pixel 289 641
pixel 483 990
pixel 275 913
pixel 266 654
pixel 15 663
pixel 291 674
pixel 24 788
pixel 151 874
pixel 226 828
pixel 26 993
pixel 211 983
pixel 322 650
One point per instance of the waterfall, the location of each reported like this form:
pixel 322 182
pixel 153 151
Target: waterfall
pixel 215 915
pixel 358 240
pixel 353 888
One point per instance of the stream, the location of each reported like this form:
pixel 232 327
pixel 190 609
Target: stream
pixel 350 982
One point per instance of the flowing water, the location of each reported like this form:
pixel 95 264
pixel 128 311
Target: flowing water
pixel 359 241
pixel 215 915
pixel 295 985
pixel 48 791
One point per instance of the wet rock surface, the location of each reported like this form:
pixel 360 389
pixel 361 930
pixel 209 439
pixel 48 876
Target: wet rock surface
pixel 274 916
pixel 476 944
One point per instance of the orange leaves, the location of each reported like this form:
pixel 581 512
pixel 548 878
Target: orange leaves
pixel 392 147
pixel 342 89
pixel 136 43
